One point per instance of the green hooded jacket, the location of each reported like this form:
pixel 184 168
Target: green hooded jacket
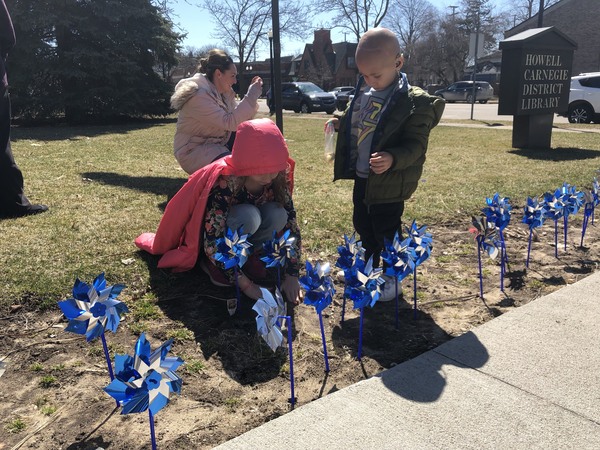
pixel 403 131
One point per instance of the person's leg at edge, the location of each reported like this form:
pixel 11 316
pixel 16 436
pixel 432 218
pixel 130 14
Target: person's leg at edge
pixel 13 201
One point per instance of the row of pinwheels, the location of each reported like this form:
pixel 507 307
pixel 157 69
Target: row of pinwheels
pixel 560 204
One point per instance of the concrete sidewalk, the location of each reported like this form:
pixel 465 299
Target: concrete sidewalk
pixel 527 379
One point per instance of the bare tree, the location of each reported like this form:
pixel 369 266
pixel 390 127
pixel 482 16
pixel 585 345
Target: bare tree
pixel 357 16
pixel 411 20
pixel 522 10
pixel 243 25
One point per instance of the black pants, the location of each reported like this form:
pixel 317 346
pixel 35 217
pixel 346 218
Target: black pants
pixel 12 198
pixel 376 222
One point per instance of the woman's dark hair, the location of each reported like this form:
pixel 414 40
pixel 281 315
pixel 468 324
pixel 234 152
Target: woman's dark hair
pixel 216 59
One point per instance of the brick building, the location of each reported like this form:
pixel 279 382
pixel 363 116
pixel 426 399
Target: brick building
pixel 327 64
pixel 578 19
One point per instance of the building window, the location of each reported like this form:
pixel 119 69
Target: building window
pixel 350 62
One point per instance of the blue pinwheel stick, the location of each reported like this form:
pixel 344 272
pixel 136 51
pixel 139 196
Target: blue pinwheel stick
pixel 350 252
pixel 573 200
pixel 269 309
pixel 278 252
pixel 534 215
pixel 233 250
pixel 588 211
pixel 486 237
pixel 146 380
pixel 319 292
pixel 555 209
pixel 365 292
pixel 421 242
pixel 93 310
pixel 497 212
pixel 399 259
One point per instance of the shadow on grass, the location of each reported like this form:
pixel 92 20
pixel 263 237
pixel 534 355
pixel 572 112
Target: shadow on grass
pixel 556 154
pixel 62 131
pixel 389 346
pixel 191 299
pixel 154 185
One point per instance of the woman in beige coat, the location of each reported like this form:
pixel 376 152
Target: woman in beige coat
pixel 208 111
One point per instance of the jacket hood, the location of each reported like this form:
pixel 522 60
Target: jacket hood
pixel 187 88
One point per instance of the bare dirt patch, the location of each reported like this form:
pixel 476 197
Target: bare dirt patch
pixel 232 381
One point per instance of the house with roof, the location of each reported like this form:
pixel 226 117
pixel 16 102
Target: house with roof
pixel 327 64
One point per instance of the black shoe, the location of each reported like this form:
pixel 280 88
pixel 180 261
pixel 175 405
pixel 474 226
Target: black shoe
pixel 28 211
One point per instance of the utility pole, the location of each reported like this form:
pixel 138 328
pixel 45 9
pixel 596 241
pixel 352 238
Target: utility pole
pixel 541 14
pixel 454 8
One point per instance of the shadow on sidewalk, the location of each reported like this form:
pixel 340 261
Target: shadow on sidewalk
pixel 423 379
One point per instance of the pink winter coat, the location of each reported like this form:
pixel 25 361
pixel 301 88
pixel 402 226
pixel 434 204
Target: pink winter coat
pixel 206 120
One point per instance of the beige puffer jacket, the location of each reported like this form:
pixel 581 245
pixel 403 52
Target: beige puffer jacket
pixel 206 120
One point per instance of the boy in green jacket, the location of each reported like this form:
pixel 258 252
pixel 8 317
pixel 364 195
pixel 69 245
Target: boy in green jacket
pixel 382 141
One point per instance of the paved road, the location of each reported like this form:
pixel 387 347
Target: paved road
pixel 454 111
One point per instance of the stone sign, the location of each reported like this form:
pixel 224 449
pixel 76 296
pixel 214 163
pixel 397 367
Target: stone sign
pixel 535 82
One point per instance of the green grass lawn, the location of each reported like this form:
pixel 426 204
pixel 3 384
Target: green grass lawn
pixel 107 184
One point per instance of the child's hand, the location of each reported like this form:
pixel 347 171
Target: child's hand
pixel 335 121
pixel 380 162
pixel 290 287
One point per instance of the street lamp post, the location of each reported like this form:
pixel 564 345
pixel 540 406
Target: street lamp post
pixel 272 97
pixel 277 64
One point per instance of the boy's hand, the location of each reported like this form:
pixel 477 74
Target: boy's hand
pixel 380 162
pixel 335 121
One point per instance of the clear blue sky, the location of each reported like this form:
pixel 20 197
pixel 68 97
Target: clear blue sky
pixel 199 26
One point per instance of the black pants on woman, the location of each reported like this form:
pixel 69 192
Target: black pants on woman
pixel 12 199
pixel 375 223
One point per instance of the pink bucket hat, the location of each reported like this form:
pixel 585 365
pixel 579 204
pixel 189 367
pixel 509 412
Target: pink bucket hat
pixel 258 148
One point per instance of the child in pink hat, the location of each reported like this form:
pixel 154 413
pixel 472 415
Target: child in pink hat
pixel 249 189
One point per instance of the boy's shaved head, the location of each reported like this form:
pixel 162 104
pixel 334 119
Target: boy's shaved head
pixel 379 42
pixel 378 57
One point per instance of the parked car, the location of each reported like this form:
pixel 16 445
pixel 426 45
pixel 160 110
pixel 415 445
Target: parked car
pixel 584 99
pixel 338 90
pixel 462 91
pixel 306 97
pixel 343 98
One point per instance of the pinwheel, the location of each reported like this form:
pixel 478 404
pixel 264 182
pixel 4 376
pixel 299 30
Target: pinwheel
pixel 233 250
pixel 279 251
pixel 573 200
pixel 555 209
pixel 399 258
pixel 497 211
pixel 596 194
pixel 365 290
pixel 350 252
pixel 534 215
pixel 422 242
pixel 145 381
pixel 588 210
pixel 319 291
pixel 269 310
pixel 94 309
pixel 486 236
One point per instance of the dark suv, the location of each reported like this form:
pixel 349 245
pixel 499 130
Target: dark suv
pixel 306 97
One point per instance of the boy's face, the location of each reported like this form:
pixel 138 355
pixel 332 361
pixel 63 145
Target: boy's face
pixel 378 70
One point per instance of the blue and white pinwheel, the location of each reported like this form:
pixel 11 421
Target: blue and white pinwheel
pixel 269 308
pixel 93 309
pixel 486 235
pixel 145 381
pixel 349 253
pixel 573 198
pixel 279 250
pixel 421 241
pixel 399 256
pixel 534 213
pixel 367 289
pixel 318 286
pixel 233 249
pixel 555 205
pixel 497 211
